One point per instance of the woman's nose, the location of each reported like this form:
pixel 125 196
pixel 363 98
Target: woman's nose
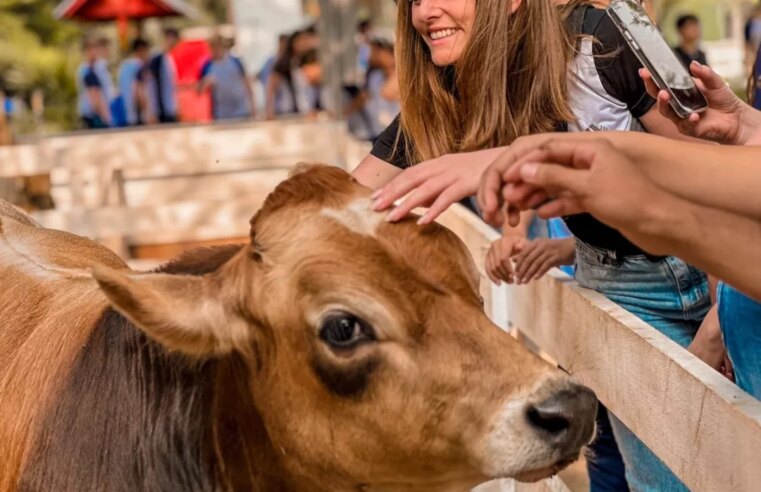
pixel 430 9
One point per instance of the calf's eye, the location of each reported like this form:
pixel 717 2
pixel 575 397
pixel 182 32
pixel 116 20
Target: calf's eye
pixel 345 331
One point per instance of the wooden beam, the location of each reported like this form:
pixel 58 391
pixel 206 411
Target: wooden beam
pixel 192 149
pixel 166 224
pixel 701 425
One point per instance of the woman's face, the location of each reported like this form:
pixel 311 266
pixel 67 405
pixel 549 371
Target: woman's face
pixel 445 25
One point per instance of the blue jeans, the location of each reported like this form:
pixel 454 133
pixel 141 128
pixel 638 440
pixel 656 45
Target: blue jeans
pixel 740 320
pixel 671 296
pixel 605 465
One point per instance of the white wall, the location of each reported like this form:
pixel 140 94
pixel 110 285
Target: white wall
pixel 259 23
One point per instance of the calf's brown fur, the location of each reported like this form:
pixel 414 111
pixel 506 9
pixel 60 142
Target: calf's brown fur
pixel 218 371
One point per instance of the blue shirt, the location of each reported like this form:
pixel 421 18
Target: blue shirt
pixel 266 71
pixel 130 73
pixel 93 75
pixel 229 93
pixel 381 111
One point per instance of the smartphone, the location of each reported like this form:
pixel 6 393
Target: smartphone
pixel 647 42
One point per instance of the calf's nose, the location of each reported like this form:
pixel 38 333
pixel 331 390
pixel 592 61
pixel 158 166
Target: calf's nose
pixel 566 419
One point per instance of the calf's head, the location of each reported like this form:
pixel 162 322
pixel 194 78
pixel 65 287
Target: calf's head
pixel 372 362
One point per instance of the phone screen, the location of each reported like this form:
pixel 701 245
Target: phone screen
pixel 658 53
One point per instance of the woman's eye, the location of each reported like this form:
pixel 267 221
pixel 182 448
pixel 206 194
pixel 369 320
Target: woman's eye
pixel 344 330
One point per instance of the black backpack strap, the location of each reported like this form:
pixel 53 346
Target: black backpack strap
pixel 575 20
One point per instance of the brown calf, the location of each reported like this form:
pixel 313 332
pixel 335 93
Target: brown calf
pixel 336 352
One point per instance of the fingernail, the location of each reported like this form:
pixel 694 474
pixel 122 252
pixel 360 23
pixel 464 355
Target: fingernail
pixel 377 194
pixel 391 216
pixel 529 170
pixel 423 220
pixel 377 204
pixel 696 63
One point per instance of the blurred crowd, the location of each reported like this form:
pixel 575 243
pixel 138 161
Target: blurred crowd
pixel 293 81
pixel 145 89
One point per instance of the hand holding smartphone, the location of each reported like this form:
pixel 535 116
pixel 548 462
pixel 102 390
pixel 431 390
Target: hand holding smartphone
pixel 648 44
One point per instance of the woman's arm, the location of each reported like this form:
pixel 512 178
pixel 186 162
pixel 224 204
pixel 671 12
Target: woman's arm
pixel 597 178
pixel 721 243
pixel 374 173
pixel 689 170
pixel 693 171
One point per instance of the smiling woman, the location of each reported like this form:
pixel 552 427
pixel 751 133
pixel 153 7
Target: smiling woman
pixel 454 59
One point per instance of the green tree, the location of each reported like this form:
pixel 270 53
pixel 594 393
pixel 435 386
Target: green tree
pixel 39 52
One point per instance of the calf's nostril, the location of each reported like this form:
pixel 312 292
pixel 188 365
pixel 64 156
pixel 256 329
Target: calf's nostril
pixel 549 417
pixel 566 418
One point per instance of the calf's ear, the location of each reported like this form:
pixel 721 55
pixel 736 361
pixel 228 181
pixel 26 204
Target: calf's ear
pixel 182 312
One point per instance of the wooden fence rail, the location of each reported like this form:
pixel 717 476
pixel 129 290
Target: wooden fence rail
pixel 703 427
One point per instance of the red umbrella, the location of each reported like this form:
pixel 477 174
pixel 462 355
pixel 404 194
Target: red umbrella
pixel 122 11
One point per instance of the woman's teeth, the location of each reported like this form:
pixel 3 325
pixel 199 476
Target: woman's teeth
pixel 442 34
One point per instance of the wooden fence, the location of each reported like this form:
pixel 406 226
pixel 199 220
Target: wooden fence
pixel 702 426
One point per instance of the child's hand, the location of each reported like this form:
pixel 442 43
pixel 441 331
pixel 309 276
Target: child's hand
pixel 499 263
pixel 541 255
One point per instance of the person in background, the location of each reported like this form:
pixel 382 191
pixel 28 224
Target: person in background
pixel 754 83
pixel 308 80
pixel 383 97
pixel 133 78
pixel 752 35
pixel 281 94
pixel 364 34
pixel 310 38
pixel 231 93
pixel 93 102
pixel 103 67
pixel 163 80
pixel 373 107
pixel 269 65
pixel 690 34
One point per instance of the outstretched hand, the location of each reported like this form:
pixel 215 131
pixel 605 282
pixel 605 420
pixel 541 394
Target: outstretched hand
pixel 561 178
pixel 436 184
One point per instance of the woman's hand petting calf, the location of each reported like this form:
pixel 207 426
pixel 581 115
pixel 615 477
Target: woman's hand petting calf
pixel 436 184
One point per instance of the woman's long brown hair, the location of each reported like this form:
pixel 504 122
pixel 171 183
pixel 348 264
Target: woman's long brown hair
pixel 510 81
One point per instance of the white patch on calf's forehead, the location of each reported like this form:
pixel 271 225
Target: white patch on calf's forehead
pixel 357 216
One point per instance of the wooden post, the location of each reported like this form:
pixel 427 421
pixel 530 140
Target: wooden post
pixel 338 19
